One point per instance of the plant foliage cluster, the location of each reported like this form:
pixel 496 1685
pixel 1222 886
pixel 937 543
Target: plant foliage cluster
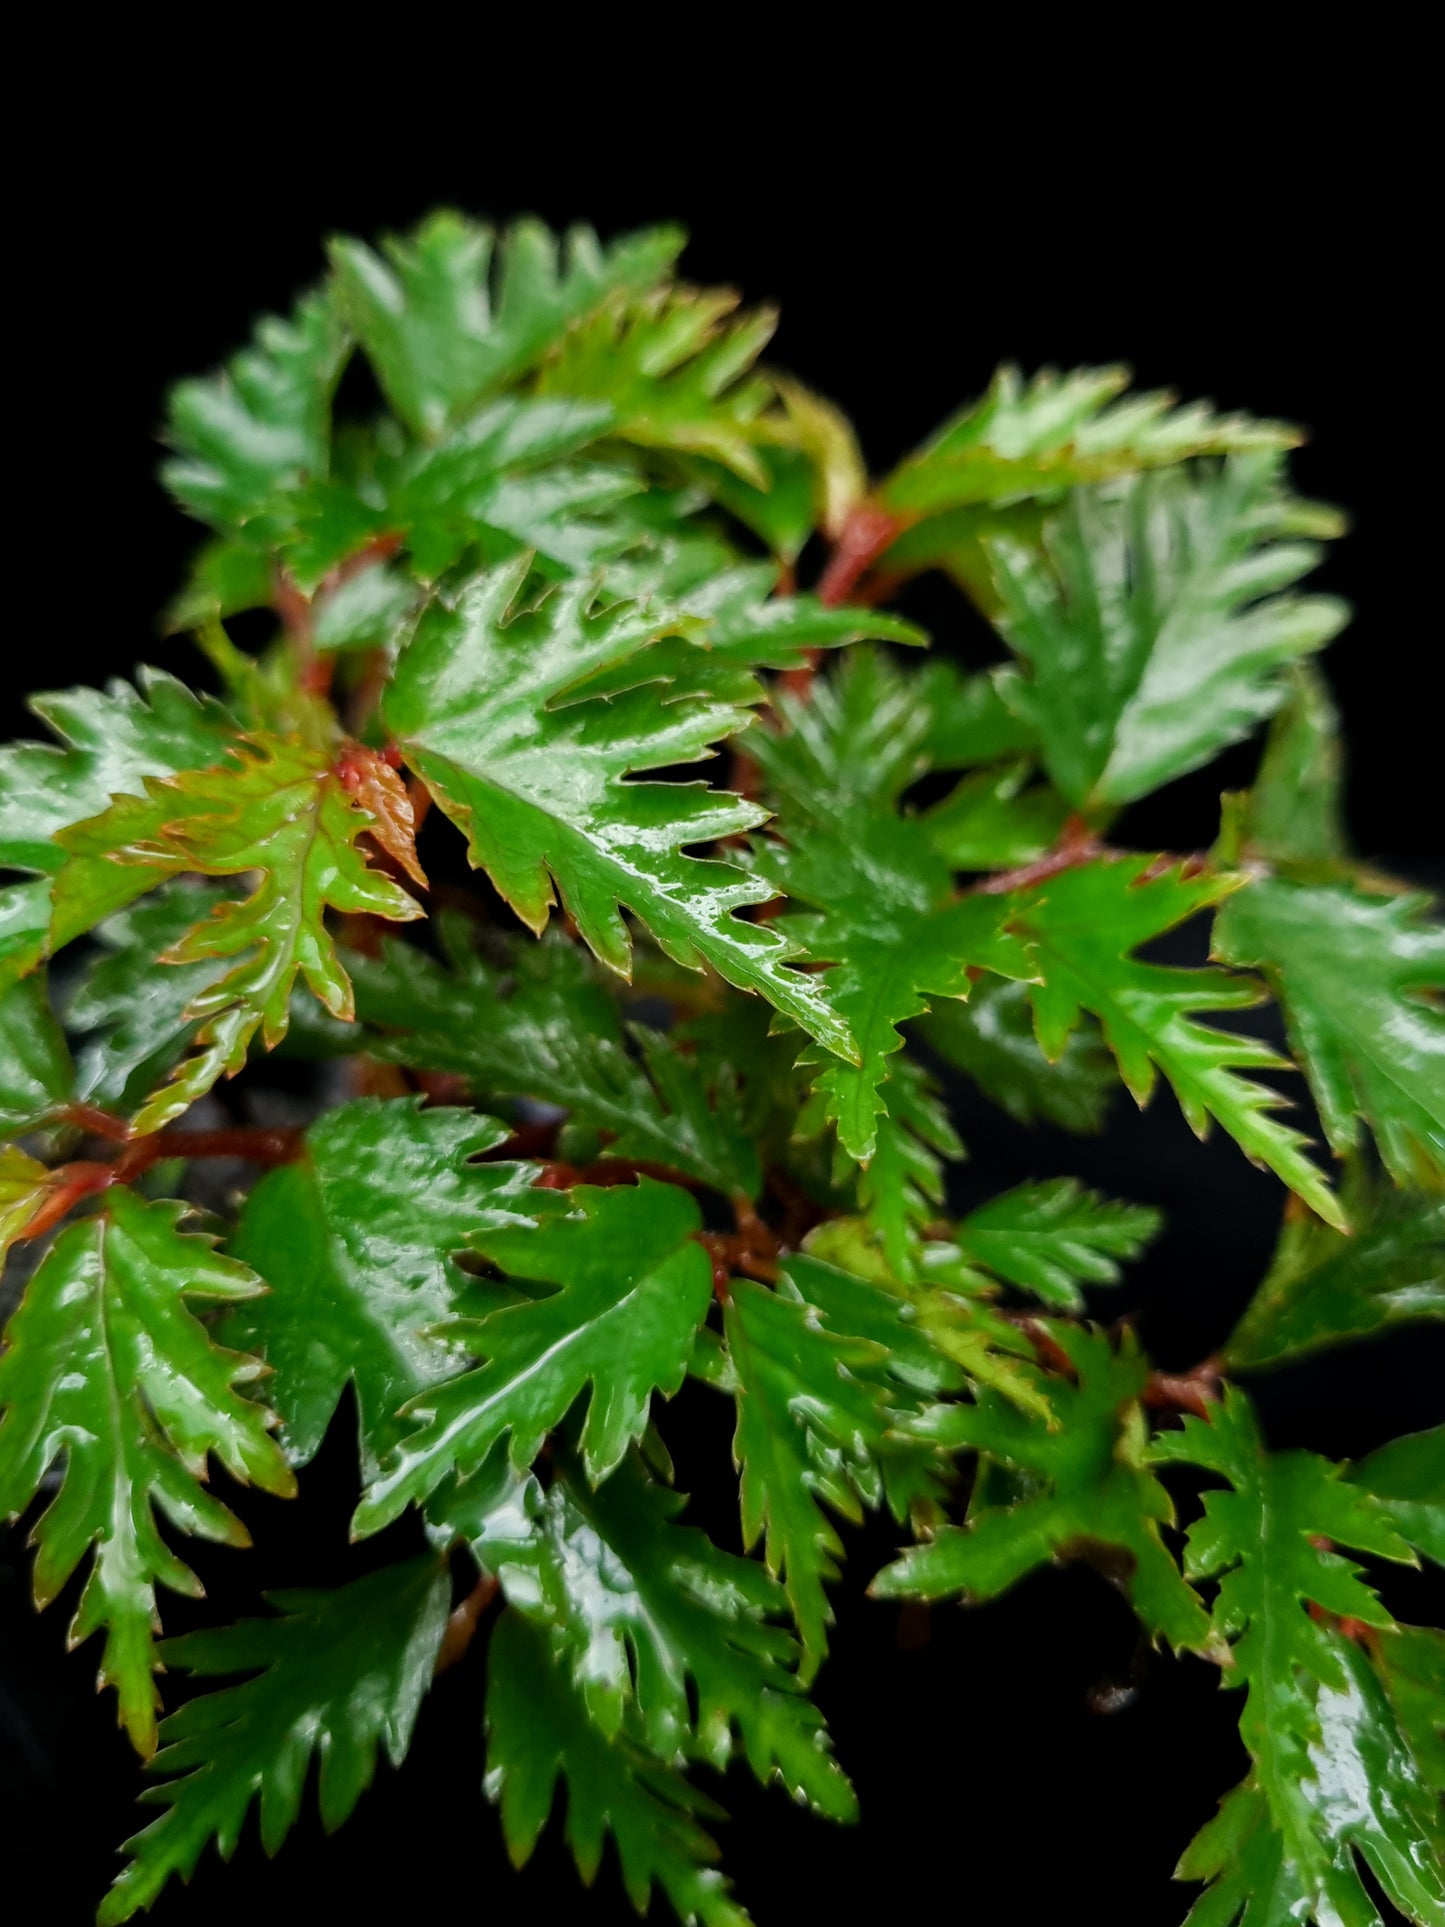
pixel 529 520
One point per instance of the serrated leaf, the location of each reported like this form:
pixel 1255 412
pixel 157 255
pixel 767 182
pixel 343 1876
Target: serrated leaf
pixel 357 1241
pixel 449 314
pixel 480 706
pixel 338 1675
pixel 901 1189
pixel 1155 620
pixel 890 924
pixel 130 1009
pixel 260 428
pixel 276 807
pixel 1362 982
pixel 634 1287
pixel 36 1075
pixel 1324 1287
pixel 1094 1495
pixel 854 746
pixel 538 1731
pixel 642 1607
pixel 1043 435
pixel 808 1432
pixel 1407 1477
pixel 1050 1238
pixel 110 741
pixel 107 1364
pixel 1269 1540
pixel 1411 1663
pixel 991 1037
pixel 673 366
pixel 546 1028
pixel 968 721
pixel 1082 927
pixel 1366 1797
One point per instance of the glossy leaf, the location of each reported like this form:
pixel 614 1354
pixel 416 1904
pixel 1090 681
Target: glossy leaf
pixel 109 743
pixel 1407 1476
pixel 448 314
pixel 24 1183
pixel 1324 1286
pixel 634 1286
pixel 546 1028
pixel 808 1433
pixel 357 1241
pixel 642 1607
pixel 278 808
pixel 1365 1796
pixel 1051 1238
pixel 480 705
pixel 108 1367
pixel 131 1009
pixel 1082 927
pixel 1043 435
pixel 896 934
pixel 1090 1494
pixel 1155 621
pixel 673 365
pixel 1269 1541
pixel 1294 810
pixel 1362 982
pixel 36 1076
pixel 991 1037
pixel 538 1731
pixel 337 1676
pixel 261 428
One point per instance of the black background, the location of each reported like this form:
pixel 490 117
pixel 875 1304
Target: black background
pixel 1232 226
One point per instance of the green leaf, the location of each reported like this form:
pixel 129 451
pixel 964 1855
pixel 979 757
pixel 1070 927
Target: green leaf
pixel 1088 1494
pixel 993 821
pixel 808 1431
pixel 1155 620
pixel 357 1242
pixel 1294 808
pixel 889 922
pixel 1365 1796
pixel 276 807
pixel 671 365
pixel 968 721
pixel 634 1287
pixel 1324 1286
pixel 480 706
pixel 901 1189
pixel 337 1675
pixel 24 1183
pixel 641 1607
pixel 546 1028
pixel 257 431
pixel 109 743
pixel 1407 1476
pixel 1050 1238
pixel 854 746
pixel 449 315
pixel 36 1076
pixel 107 1364
pixel 1082 927
pixel 539 1731
pixel 1044 435
pixel 1362 981
pixel 1269 1540
pixel 131 1008
pixel 991 1037
pixel 1411 1662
